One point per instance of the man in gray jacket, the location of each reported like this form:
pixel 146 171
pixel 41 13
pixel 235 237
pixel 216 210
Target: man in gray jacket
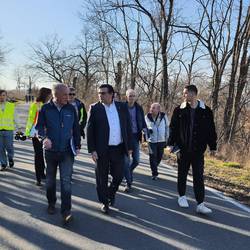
pixel 157 136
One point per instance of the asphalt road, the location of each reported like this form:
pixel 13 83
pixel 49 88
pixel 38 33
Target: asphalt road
pixel 147 218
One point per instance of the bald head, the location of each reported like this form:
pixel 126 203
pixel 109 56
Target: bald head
pixel 155 109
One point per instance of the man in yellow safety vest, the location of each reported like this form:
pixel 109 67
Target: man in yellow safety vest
pixel 8 122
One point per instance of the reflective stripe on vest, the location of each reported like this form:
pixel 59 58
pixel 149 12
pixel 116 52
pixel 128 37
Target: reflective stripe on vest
pixel 81 116
pixel 7 117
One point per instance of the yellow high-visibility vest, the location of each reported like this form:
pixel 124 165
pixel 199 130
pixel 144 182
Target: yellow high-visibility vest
pixel 33 116
pixel 7 117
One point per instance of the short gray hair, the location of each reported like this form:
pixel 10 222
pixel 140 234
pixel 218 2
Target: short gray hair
pixel 57 87
pixel 130 91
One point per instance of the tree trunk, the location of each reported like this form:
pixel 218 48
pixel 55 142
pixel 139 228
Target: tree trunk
pixel 245 63
pixel 215 90
pixel 164 78
pixel 118 77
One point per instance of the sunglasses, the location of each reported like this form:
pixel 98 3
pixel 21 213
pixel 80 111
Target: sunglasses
pixel 72 94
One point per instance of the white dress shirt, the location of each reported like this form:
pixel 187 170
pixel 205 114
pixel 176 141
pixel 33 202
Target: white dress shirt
pixel 115 137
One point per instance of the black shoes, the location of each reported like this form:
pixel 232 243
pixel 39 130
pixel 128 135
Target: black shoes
pixel 154 177
pixel 66 217
pixel 105 209
pixel 11 163
pixel 51 209
pixel 3 167
pixel 38 183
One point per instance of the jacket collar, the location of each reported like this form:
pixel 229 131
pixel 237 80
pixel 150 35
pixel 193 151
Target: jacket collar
pixel 150 117
pixel 135 104
pixel 201 104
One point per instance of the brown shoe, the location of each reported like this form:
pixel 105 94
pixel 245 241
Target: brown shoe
pixel 51 209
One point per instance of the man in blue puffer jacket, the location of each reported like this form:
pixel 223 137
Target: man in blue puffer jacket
pixel 59 129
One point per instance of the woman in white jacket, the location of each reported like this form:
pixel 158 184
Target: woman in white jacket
pixel 157 136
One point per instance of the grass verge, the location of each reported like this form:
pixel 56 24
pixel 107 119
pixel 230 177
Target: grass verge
pixel 231 178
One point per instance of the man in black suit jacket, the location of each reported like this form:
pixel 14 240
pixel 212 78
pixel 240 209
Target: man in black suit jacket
pixel 109 136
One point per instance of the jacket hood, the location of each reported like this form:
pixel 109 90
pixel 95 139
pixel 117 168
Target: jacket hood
pixel 150 117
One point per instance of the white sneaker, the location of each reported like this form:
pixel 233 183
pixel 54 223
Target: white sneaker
pixel 202 209
pixel 182 201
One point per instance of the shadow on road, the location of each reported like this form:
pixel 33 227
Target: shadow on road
pixel 147 218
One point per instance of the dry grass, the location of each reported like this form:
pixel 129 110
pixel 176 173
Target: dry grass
pixel 231 178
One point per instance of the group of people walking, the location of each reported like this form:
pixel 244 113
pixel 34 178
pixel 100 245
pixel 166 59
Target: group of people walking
pixel 114 129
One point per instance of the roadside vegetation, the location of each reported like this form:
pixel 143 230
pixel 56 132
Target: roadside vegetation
pixel 229 177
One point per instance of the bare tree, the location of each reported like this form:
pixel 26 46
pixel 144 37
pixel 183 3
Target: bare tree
pixel 87 64
pixel 19 79
pixel 26 78
pixel 161 20
pixel 242 81
pixel 117 22
pixel 51 60
pixel 148 70
pixel 2 52
pixel 239 68
pixel 215 35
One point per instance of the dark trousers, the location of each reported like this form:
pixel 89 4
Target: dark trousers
pixel 39 160
pixel 184 160
pixel 65 162
pixel 155 155
pixel 112 162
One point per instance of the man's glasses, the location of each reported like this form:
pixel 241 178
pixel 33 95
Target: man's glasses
pixel 72 94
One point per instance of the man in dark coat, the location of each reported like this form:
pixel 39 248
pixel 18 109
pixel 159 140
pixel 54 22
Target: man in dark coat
pixel 109 140
pixel 80 110
pixel 192 129
pixel 138 124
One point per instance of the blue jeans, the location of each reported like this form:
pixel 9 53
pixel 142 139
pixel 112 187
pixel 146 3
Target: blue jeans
pixel 6 145
pixel 131 164
pixel 65 162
